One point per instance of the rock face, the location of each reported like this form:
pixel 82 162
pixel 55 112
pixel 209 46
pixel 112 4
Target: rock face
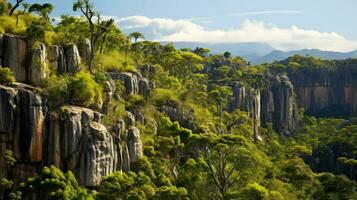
pixel 327 92
pixel 108 90
pixel 56 59
pixel 274 104
pixel 38 65
pixel 248 99
pixel 134 144
pixel 71 139
pixel 13 54
pixel 175 114
pixel 85 49
pixel 22 128
pixel 73 60
pixel 278 104
pixel 134 83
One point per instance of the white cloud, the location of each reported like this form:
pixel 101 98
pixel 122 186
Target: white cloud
pixel 162 29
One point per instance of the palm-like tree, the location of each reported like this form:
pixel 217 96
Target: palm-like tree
pixel 136 36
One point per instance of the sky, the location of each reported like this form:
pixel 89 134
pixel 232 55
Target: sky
pixel 283 24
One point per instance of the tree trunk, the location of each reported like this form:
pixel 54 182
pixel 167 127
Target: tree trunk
pixel 14 8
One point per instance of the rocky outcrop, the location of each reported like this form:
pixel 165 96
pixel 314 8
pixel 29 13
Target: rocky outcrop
pixel 134 144
pixel 248 100
pixel 327 92
pixel 38 67
pixel 13 54
pixel 275 103
pixel 278 104
pixel 56 59
pixel 134 83
pixel 72 58
pixel 72 138
pixel 108 91
pixel 22 127
pixel 84 48
pixel 185 119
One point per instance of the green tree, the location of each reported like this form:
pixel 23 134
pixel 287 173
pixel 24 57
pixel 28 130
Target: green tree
pixel 44 10
pixel 16 5
pixel 136 36
pixel 97 27
pixel 52 183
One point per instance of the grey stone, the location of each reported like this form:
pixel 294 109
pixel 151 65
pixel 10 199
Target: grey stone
pixel 134 144
pixel 38 67
pixel 72 57
pixel 14 56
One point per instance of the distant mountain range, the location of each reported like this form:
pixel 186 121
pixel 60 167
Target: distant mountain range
pixel 258 53
pixel 281 55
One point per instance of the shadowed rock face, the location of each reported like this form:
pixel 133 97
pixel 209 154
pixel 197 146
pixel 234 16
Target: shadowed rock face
pixel 247 99
pixel 278 104
pixel 327 92
pixel 13 55
pixel 22 127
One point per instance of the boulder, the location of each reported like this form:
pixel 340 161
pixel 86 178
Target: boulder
pixel 134 144
pixel 38 67
pixel 14 56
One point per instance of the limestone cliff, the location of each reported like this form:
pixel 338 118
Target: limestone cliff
pixel 72 139
pixel 274 103
pixel 327 92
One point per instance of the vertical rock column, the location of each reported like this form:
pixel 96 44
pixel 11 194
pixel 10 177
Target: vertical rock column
pixel 38 67
pixel 14 56
pixel 248 100
pixel 278 104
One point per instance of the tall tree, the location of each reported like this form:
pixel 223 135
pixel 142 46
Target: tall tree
pixel 43 10
pixel 136 36
pixel 22 12
pixel 97 27
pixel 17 4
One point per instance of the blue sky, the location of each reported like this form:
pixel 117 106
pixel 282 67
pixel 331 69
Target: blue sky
pixel 284 24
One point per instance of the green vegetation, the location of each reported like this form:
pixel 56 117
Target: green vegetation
pixel 6 75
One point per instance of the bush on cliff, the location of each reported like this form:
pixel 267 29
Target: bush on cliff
pixel 81 90
pixel 6 75
pixel 84 90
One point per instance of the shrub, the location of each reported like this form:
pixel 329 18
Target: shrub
pixel 8 25
pixel 6 75
pixel 57 88
pixel 114 61
pixel 162 96
pixel 84 90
